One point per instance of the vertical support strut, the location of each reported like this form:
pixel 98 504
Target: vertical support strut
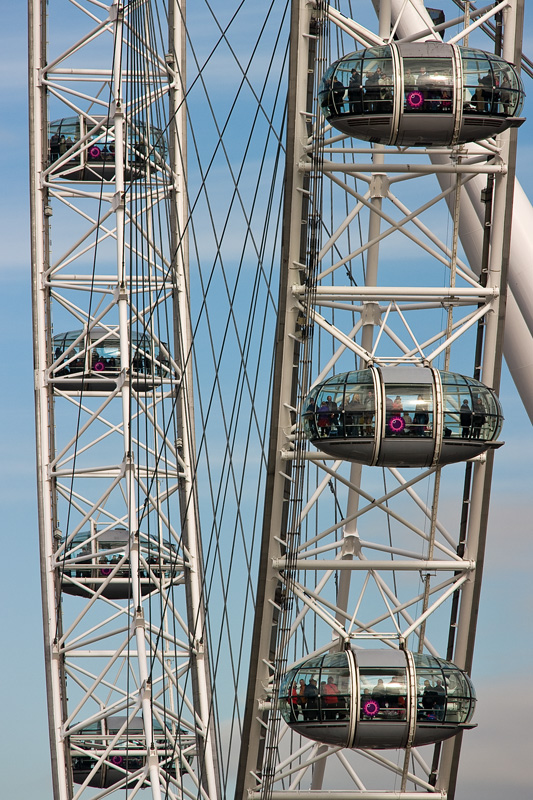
pixel 44 419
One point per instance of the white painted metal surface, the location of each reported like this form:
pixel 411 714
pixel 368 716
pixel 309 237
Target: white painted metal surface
pixel 331 589
pixel 114 410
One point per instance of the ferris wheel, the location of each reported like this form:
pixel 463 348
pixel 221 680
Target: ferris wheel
pixel 261 573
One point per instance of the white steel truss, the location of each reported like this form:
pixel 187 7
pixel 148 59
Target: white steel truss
pixel 127 666
pixel 365 556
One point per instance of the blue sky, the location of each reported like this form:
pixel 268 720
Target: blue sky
pixel 504 653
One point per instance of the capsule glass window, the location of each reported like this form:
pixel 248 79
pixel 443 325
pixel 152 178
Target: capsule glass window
pixel 460 697
pixel 471 410
pixel 486 414
pixel 457 404
pixel 431 694
pixel 62 135
pixel 382 693
pixel 359 410
pixel 408 410
pixel 72 358
pixel 350 74
pixel 378 81
pixel 478 81
pixel 105 357
pixel 334 693
pixel 428 85
pixel 329 406
pixel 68 127
pixel 491 85
pixel 507 98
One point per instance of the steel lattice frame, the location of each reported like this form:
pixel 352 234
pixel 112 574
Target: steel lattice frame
pixel 123 455
pixel 363 555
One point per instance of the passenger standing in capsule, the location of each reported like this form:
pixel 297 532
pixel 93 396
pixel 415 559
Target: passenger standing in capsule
pixel 331 698
pixel 397 405
pixel 409 79
pixel 324 419
pixel 465 416
pixel 54 147
pixel 423 77
pixel 478 417
pixel 421 417
pixel 354 93
pixel 337 91
pixel 293 701
pixel 372 90
pixel 385 92
pixel 369 412
pixel 446 101
pixel 486 92
pixel 505 95
pixel 334 410
pixel 302 699
pixel 440 699
pixel 334 96
pixel 354 416
pixel 429 696
pixel 311 696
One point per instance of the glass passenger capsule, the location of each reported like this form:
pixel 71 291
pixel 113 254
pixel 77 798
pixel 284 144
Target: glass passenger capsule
pixel 128 754
pixel 402 416
pixel 85 152
pixel 91 361
pixel 370 698
pixel 421 93
pixel 101 561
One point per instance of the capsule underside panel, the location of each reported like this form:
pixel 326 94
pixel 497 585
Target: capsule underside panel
pixel 393 735
pixel 394 453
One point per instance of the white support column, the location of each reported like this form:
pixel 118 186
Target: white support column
pixel 43 420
